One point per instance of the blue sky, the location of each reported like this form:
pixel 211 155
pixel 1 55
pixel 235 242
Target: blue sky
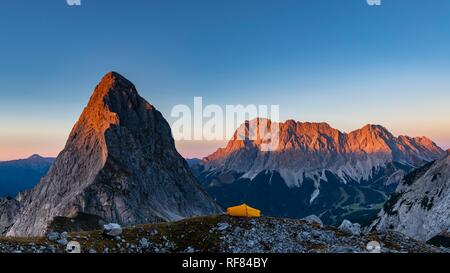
pixel 342 62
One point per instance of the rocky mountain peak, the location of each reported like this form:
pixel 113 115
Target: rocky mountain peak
pixel 374 128
pixel 115 99
pixel 119 165
pixel 112 84
pixel 118 94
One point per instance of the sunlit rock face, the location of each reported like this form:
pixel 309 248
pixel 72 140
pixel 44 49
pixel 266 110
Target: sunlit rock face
pixel 314 169
pixel 120 164
pixel 420 208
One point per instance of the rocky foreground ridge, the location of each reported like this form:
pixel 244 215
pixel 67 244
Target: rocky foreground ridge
pixel 223 234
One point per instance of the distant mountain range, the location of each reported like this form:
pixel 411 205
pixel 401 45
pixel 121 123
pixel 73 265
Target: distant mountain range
pixel 22 174
pixel 316 169
pixel 193 161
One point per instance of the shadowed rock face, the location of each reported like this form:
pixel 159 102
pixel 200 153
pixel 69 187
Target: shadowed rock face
pixel 119 163
pixel 420 207
pixel 9 208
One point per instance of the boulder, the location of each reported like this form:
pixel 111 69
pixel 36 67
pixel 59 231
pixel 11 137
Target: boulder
pixel 313 219
pixel 62 241
pixel 222 226
pixel 144 243
pixel 350 228
pixel 53 236
pixel 112 230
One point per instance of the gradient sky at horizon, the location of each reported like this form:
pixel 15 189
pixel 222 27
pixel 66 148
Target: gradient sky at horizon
pixel 341 62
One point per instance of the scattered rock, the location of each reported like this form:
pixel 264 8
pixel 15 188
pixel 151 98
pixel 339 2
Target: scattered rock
pixel 269 235
pixel 112 230
pixel 62 241
pixel 349 227
pixel 53 236
pixel 222 226
pixel 189 250
pixel 303 236
pixel 153 232
pixel 251 243
pixel 313 219
pixel 73 247
pixel 50 249
pixel 144 243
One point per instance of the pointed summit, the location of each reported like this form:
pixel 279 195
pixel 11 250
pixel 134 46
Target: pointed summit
pixel 111 84
pixel 373 127
pixel 119 165
pixel 115 100
pixel 373 131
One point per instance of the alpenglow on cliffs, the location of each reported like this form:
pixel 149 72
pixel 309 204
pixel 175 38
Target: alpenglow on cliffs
pixel 316 169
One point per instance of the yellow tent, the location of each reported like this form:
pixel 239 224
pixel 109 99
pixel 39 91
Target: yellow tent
pixel 243 211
